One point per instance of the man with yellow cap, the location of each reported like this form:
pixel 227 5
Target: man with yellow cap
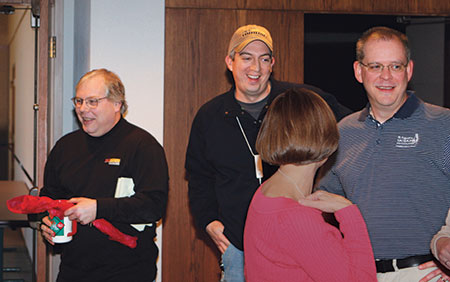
pixel 224 169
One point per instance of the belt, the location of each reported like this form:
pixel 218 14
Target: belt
pixel 388 265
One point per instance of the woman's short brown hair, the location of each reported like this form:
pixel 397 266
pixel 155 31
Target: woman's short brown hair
pixel 299 128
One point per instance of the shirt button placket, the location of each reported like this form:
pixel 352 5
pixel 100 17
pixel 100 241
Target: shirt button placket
pixel 379 133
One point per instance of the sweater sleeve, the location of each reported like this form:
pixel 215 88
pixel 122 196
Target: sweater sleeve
pixel 201 176
pixel 327 255
pixel 150 175
pixel 52 187
pixel 443 233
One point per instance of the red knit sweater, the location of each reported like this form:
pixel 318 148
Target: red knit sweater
pixel 285 241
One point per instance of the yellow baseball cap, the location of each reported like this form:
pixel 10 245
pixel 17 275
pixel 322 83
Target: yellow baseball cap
pixel 247 34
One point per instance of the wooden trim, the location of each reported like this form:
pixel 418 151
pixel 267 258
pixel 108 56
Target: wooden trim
pixel 406 7
pixel 42 142
pixel 15 2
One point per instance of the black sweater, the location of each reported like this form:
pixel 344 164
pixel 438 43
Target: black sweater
pixel 80 166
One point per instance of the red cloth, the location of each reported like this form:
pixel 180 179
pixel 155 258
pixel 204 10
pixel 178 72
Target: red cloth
pixel 114 234
pixel 33 204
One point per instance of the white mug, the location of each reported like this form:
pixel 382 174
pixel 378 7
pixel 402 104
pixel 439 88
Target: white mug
pixel 64 229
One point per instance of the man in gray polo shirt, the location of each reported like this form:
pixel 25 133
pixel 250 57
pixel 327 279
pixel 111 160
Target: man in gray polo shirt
pixel 393 160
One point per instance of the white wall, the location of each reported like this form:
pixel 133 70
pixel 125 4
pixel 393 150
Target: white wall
pixel 126 37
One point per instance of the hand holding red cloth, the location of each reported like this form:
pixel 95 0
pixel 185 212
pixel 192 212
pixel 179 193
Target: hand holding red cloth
pixel 27 204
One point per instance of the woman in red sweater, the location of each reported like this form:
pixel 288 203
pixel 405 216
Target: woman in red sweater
pixel 286 238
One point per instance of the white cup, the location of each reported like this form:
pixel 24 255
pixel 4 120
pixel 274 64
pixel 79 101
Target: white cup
pixel 64 229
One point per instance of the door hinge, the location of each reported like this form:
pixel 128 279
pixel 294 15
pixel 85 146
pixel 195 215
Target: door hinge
pixel 52 47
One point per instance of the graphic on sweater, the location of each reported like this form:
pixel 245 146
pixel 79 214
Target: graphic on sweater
pixel 112 161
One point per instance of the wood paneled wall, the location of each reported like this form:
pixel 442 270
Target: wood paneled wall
pixel 414 7
pixel 195 71
pixel 196 38
pixel 15 2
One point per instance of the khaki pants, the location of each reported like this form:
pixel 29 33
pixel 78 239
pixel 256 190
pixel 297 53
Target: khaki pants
pixel 410 274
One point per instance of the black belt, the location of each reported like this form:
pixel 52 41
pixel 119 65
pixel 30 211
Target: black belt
pixel 387 265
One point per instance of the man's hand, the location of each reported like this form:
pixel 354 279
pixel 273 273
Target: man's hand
pixel 47 233
pixel 324 201
pixel 215 231
pixel 84 211
pixel 444 277
pixel 443 251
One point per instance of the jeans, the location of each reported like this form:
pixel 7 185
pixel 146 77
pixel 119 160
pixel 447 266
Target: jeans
pixel 233 265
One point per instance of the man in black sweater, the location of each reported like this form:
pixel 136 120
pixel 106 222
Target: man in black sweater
pixel 109 169
pixel 224 169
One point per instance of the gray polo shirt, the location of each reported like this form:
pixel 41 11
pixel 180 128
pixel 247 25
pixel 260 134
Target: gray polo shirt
pixel 398 173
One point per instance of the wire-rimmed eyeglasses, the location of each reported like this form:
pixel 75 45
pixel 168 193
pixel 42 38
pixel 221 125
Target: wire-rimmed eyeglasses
pixel 378 68
pixel 91 102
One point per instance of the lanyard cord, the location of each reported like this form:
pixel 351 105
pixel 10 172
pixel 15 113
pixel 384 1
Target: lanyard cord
pixel 245 137
pixel 249 148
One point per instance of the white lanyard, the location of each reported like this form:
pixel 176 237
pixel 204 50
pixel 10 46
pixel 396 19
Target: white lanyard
pixel 256 157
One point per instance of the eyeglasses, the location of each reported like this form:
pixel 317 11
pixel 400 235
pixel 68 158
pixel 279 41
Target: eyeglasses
pixel 90 102
pixel 378 68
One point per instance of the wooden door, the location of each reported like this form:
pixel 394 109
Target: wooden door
pixel 195 71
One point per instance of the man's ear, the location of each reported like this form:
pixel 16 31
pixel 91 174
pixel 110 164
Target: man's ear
pixel 409 69
pixel 357 71
pixel 117 106
pixel 229 63
pixel 273 62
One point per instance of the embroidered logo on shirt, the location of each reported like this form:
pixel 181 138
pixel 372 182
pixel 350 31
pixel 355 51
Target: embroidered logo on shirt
pixel 407 142
pixel 112 161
